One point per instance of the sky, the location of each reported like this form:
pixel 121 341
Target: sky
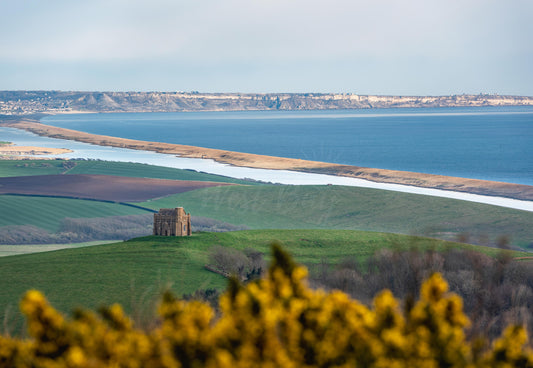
pixel 384 47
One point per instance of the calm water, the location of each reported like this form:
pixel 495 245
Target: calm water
pixel 482 143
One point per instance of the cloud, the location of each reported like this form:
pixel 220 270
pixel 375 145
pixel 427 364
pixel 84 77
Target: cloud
pixel 338 42
pixel 278 30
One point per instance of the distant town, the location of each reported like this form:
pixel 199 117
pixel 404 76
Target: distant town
pixel 20 103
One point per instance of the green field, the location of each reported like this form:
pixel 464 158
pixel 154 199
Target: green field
pixel 279 206
pixel 11 250
pixel 47 212
pixel 30 167
pixel 129 169
pixel 134 272
pixel 338 207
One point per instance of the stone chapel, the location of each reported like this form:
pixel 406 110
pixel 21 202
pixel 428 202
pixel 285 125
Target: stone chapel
pixel 172 222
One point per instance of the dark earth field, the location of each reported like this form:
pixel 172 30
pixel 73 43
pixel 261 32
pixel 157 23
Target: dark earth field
pixel 99 187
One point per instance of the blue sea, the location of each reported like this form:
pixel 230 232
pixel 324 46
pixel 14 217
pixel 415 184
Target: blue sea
pixel 487 143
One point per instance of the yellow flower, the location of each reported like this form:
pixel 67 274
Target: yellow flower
pixel 275 322
pixel 32 300
pixel 76 357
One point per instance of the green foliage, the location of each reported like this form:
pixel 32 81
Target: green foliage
pixel 338 207
pixel 274 322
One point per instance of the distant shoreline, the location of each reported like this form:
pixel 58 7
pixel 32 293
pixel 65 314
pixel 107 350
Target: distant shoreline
pixel 17 103
pixel 473 186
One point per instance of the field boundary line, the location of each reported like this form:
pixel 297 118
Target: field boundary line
pixel 81 198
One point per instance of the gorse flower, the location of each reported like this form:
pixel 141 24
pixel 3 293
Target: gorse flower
pixel 277 321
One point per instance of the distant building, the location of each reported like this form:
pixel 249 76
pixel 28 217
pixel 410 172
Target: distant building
pixel 172 222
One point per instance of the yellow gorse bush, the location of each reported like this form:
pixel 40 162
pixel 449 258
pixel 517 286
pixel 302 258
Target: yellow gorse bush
pixel 275 322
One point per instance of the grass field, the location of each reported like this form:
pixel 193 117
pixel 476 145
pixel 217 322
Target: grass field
pixel 134 272
pixel 338 207
pixel 47 213
pixel 30 167
pixel 290 207
pixel 11 250
pixel 51 167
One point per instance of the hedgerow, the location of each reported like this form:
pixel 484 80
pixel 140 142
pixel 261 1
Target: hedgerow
pixel 277 321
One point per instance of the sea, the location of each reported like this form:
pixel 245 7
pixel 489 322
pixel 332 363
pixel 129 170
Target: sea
pixel 489 143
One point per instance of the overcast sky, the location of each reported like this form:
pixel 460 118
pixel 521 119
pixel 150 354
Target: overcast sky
pixel 394 47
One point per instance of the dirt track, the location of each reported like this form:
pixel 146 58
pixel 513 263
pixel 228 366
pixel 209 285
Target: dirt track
pixel 101 187
pixel 517 191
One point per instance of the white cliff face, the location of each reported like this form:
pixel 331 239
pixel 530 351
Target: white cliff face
pixel 31 102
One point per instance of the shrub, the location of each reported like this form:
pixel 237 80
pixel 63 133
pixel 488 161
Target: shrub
pixel 246 265
pixel 495 291
pixel 274 322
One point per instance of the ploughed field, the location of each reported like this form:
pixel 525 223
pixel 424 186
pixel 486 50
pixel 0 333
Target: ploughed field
pixel 99 187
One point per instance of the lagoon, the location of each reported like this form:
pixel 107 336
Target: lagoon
pixel 89 151
pixel 489 143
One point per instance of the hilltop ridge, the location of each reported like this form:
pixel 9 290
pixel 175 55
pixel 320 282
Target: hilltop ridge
pixel 33 102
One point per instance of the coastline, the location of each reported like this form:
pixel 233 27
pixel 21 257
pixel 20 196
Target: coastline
pixel 12 150
pixel 429 181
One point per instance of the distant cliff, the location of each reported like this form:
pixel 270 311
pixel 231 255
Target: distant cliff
pixel 33 102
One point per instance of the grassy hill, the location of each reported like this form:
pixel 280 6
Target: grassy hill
pixel 338 207
pixel 130 169
pixel 47 213
pixel 10 250
pixel 132 273
pixel 281 206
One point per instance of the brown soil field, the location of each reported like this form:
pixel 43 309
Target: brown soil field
pixel 483 187
pixel 99 187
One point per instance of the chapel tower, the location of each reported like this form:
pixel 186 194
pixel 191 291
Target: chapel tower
pixel 172 222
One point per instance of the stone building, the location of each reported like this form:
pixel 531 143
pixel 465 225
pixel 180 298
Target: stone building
pixel 172 222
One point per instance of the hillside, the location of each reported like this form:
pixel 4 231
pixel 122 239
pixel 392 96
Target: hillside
pixel 32 102
pixel 9 168
pixel 339 207
pixel 47 213
pixel 133 273
pixel 60 202
pixel 255 205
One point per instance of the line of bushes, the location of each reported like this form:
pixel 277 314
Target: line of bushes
pixel 496 291
pixel 74 230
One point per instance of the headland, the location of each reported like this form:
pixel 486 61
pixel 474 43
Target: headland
pixel 17 103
